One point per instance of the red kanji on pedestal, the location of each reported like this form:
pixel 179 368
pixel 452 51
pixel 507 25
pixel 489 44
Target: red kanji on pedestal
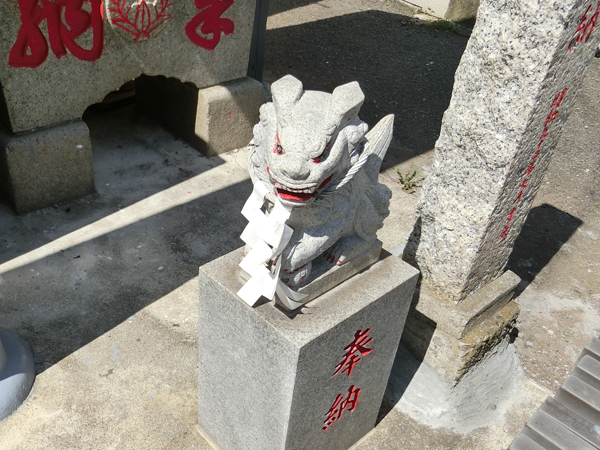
pixel 210 22
pixel 356 347
pixel 340 405
pixel 66 20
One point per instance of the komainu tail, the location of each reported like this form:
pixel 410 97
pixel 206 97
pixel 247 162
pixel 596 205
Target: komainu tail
pixel 378 140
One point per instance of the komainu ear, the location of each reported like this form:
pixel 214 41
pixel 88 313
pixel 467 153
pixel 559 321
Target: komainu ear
pixel 286 92
pixel 346 102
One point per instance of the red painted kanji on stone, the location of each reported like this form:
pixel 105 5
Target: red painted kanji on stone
pixel 139 19
pixel 210 22
pixel 558 99
pixel 353 352
pixel 66 21
pixel 340 405
pixel 586 27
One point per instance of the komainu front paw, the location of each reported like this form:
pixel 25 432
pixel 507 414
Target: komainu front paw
pixel 346 249
pixel 297 276
pixel 334 255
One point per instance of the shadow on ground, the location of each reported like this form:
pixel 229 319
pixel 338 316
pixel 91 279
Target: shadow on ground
pixel 72 272
pixel 545 231
pixel 404 68
pixel 126 146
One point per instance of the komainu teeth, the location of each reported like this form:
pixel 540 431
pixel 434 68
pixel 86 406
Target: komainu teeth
pixel 289 189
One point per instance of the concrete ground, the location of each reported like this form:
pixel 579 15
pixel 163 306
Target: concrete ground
pixel 104 289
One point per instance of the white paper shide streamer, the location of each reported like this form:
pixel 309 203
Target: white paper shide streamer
pixel 267 235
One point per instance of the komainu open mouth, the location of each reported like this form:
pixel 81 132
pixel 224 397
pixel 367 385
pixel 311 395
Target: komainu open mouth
pixel 298 195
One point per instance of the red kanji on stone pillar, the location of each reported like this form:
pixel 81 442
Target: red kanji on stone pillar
pixel 66 20
pixel 353 352
pixel 210 22
pixel 586 26
pixel 340 405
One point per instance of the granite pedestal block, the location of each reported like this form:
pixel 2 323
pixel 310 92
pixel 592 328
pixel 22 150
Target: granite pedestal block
pixel 46 166
pixel 268 380
pixel 213 120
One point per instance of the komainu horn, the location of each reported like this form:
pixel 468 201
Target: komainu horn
pixel 314 164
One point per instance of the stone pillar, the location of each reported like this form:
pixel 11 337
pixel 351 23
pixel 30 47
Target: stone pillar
pixel 513 92
pixel 514 89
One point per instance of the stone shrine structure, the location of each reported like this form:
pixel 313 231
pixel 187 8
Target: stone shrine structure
pixel 58 58
pixel 515 87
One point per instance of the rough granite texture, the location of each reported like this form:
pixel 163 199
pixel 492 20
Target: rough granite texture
pixel 314 154
pixel 513 92
pixel 213 120
pixel 46 166
pixel 158 43
pixel 266 379
pixel 451 338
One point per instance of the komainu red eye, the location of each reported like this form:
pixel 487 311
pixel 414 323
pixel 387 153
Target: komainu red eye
pixel 278 149
pixel 317 160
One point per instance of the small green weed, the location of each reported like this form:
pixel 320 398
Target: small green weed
pixel 411 179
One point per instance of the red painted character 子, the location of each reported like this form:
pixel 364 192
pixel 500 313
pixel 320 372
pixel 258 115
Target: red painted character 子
pixel 210 22
pixel 340 405
pixel 66 21
pixel 353 350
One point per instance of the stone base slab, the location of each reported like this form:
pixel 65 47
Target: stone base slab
pixel 324 276
pixel 213 120
pixel 46 166
pixel 452 337
pixel 267 380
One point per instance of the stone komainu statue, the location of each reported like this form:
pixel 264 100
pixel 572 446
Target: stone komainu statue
pixel 313 153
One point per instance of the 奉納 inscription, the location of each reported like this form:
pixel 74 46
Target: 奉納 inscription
pixel 354 351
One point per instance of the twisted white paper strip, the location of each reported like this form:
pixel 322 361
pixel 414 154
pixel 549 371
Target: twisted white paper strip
pixel 267 236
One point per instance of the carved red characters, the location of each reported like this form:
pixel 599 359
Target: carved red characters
pixel 354 350
pixel 558 99
pixel 66 21
pixel 586 27
pixel 210 22
pixel 340 405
